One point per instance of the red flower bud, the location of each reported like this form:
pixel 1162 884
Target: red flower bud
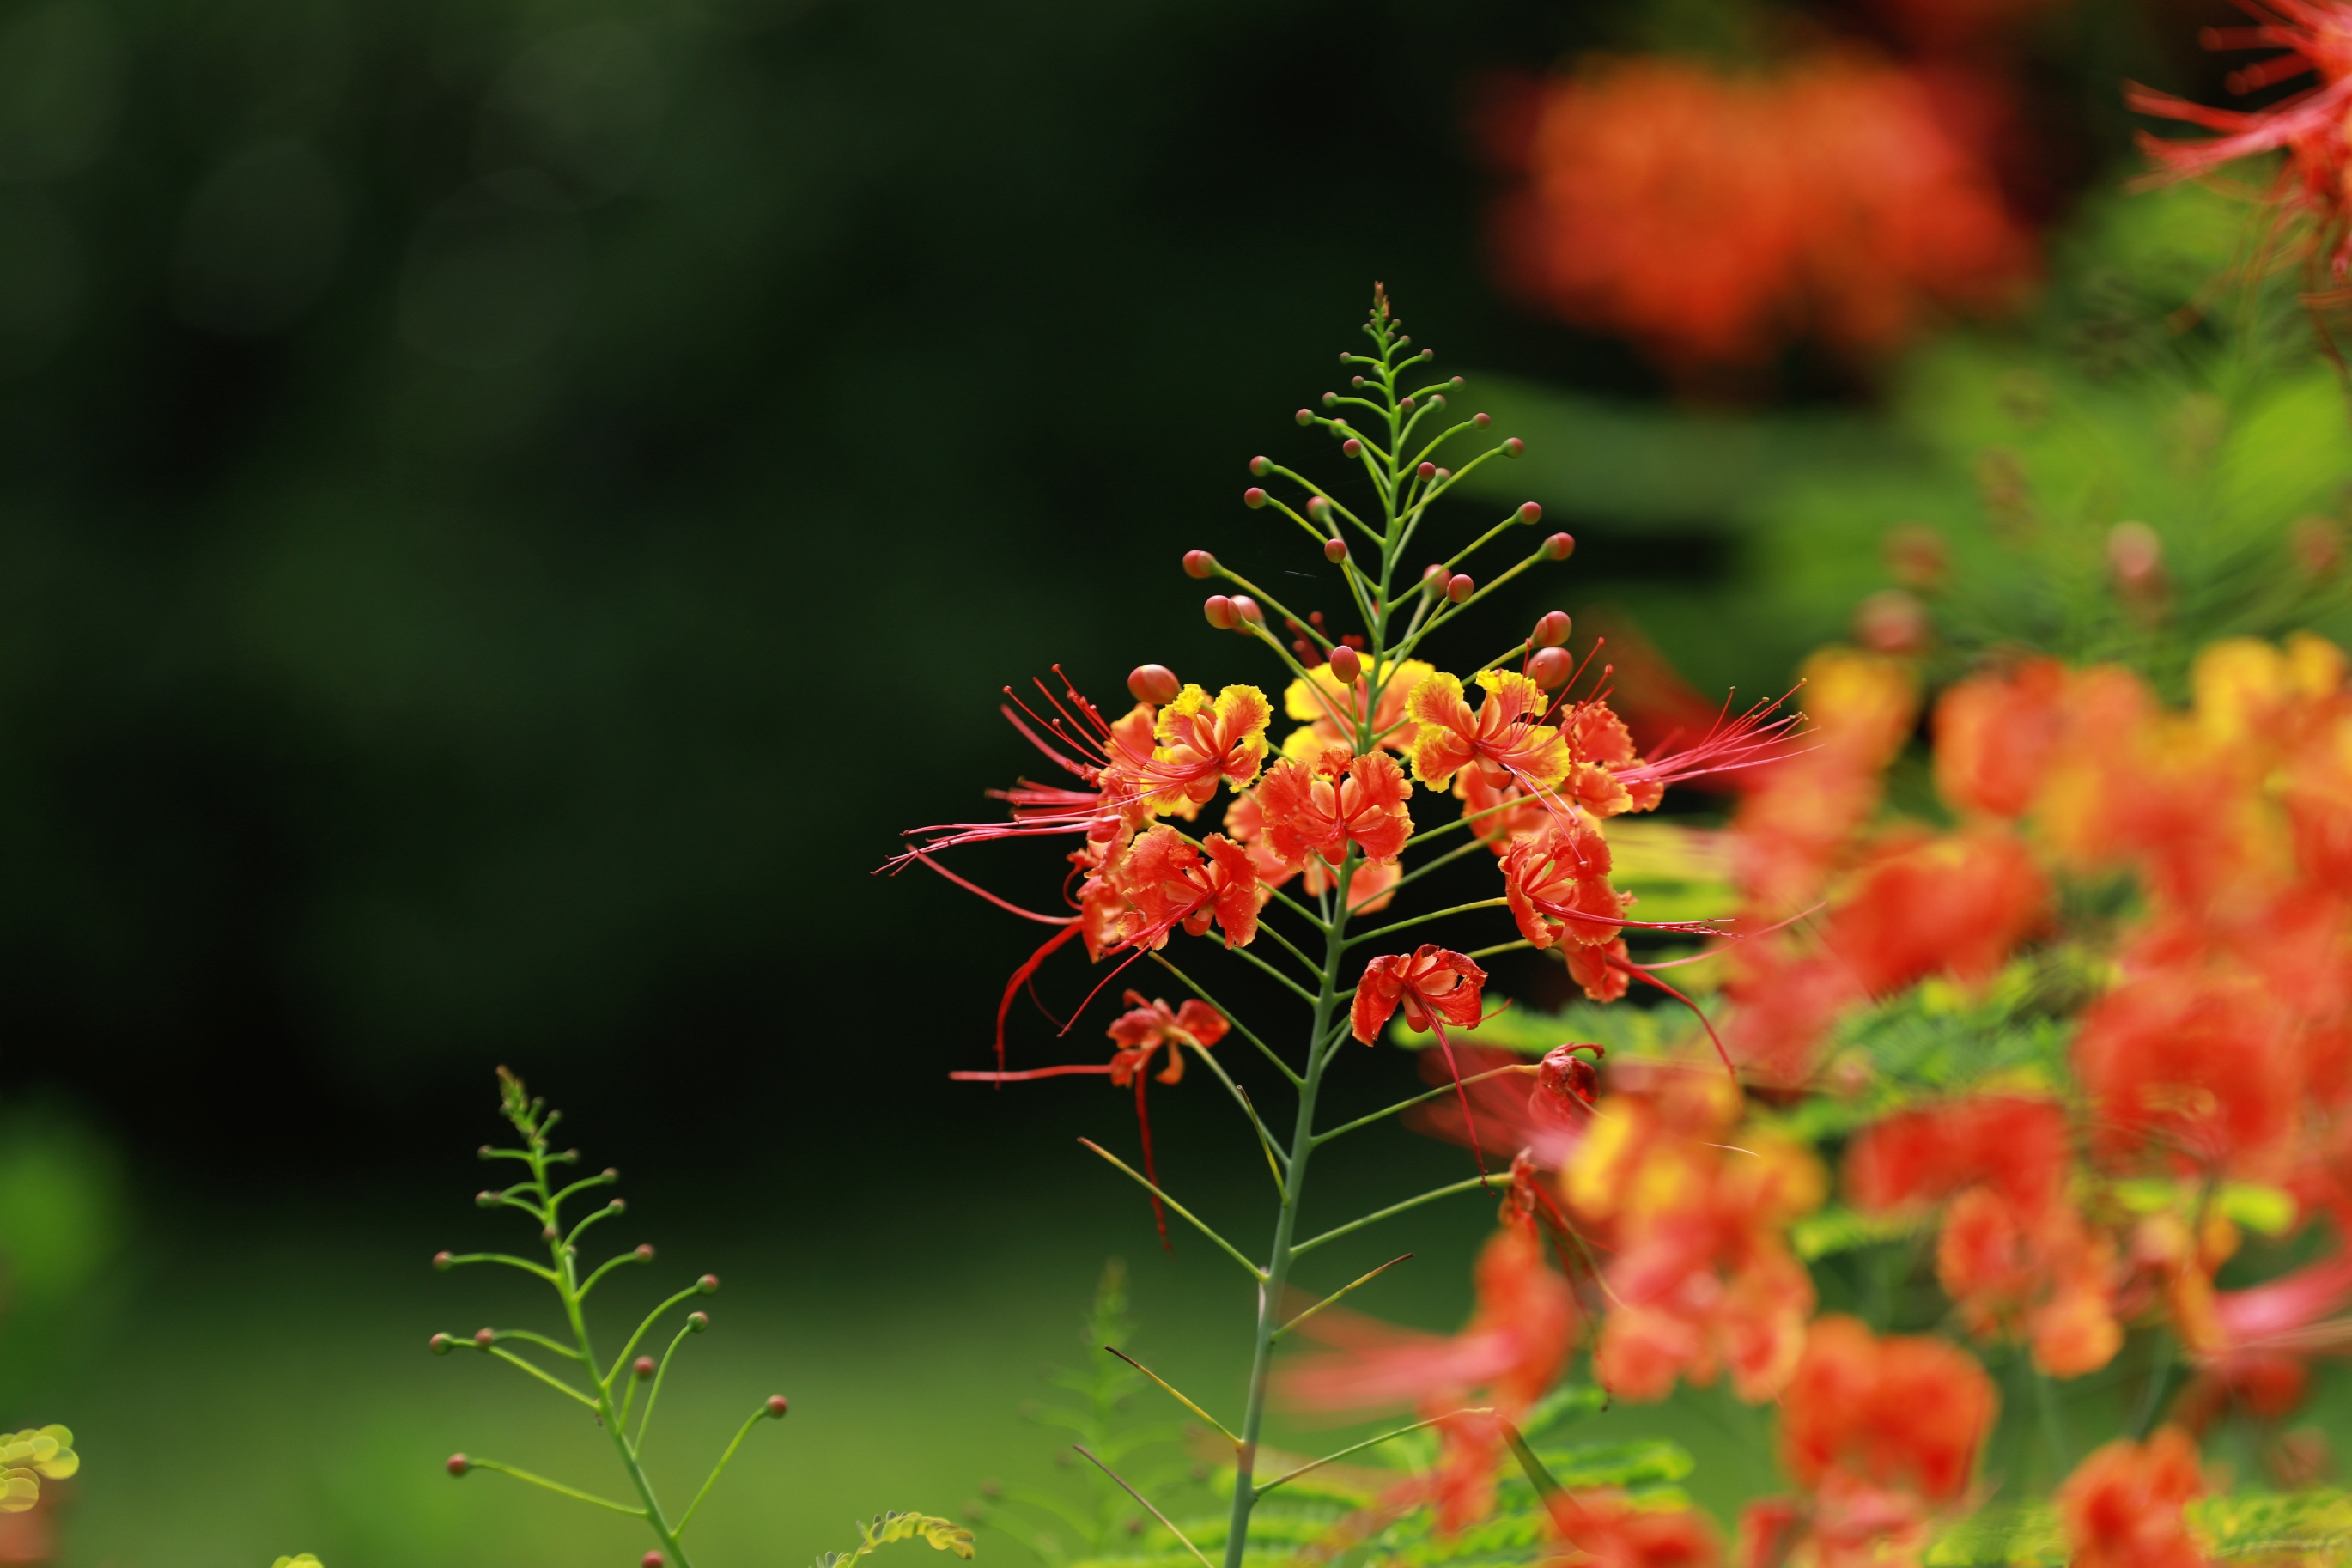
pixel 459 1464
pixel 1253 498
pixel 1153 683
pixel 1551 666
pixel 1318 508
pixel 486 1199
pixel 643 1366
pixel 618 1205
pixel 1432 577
pixel 1459 586
pixel 1305 416
pixel 485 1338
pixel 1260 467
pixel 1482 420
pixel 1351 447
pixel 439 1344
pixel 1220 612
pixel 1426 472
pixel 1530 512
pixel 1246 608
pixel 1346 664
pixel 645 1252
pixel 1513 447
pixel 1335 551
pixel 1445 473
pixel 1329 398
pixel 1355 381
pixel 777 1406
pixel 707 1284
pixel 697 1322
pixel 650 1560
pixel 1199 564
pixel 1560 547
pixel 443 1261
pixel 1455 382
pixel 1426 354
pixel 1405 403
pixel 1566 1076
pixel 1552 628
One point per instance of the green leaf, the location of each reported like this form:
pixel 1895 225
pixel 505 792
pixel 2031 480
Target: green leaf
pixel 943 1534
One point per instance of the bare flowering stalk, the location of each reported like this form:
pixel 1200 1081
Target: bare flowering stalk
pixel 1317 835
pixel 609 1389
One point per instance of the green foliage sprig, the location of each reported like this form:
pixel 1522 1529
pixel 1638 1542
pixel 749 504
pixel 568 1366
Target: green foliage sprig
pixel 611 1394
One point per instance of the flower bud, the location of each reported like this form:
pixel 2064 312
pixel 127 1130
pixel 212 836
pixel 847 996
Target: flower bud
pixel 1260 467
pixel 486 1338
pixel 643 1366
pixel 486 1200
pixel 645 1252
pixel 1153 683
pixel 1220 613
pixel 1355 381
pixel 1319 508
pixel 1551 666
pixel 1426 354
pixel 1482 420
pixel 1335 550
pixel 1425 472
pixel 1459 586
pixel 1455 382
pixel 1405 403
pixel 1513 447
pixel 1437 400
pixel 1445 473
pixel 1246 608
pixel 1330 399
pixel 1566 1077
pixel 1432 577
pixel 485 1152
pixel 1892 620
pixel 458 1464
pixel 443 1261
pixel 618 1205
pixel 1402 341
pixel 612 1173
pixel 777 1406
pixel 1351 448
pixel 1560 547
pixel 1253 498
pixel 707 1284
pixel 547 1233
pixel 1346 664
pixel 1529 512
pixel 1199 564
pixel 697 1322
pixel 650 1560
pixel 439 1344
pixel 1552 628
pixel 1305 416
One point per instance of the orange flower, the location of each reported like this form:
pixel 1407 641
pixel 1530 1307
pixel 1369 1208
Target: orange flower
pixel 1500 813
pixel 1602 750
pixel 1502 738
pixel 1202 743
pixel 1881 1431
pixel 2122 1506
pixel 1714 217
pixel 1167 883
pixel 1146 1026
pixel 1603 970
pixel 1701 1277
pixel 2316 36
pixel 1434 983
pixel 1955 905
pixel 2199 1064
pixel 1319 810
pixel 1613 1532
pixel 1995 734
pixel 1558 884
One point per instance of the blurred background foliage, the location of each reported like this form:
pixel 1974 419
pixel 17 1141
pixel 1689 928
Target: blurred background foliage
pixel 505 509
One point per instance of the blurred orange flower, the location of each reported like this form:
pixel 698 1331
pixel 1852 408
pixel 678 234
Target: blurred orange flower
pixel 2122 1505
pixel 1716 218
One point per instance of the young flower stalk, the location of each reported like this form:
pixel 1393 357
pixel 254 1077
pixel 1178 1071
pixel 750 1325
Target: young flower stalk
pixel 612 1388
pixel 1316 834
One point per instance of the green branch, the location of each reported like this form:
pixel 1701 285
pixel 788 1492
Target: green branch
pixel 1194 1220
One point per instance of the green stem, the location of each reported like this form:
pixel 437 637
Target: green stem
pixel 498 1468
pixel 1431 1197
pixel 1442 1089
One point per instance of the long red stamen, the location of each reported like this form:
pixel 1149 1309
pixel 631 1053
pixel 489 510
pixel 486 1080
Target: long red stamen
pixel 1646 978
pixel 1021 977
pixel 1469 1123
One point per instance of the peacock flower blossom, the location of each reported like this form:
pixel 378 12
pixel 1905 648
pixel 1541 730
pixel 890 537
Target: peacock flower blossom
pixel 1148 1026
pixel 1507 1357
pixel 2315 39
pixel 1881 1431
pixel 1497 813
pixel 1318 811
pixel 1957 904
pixel 1433 986
pixel 1700 1276
pixel 1801 812
pixel 1602 750
pixel 1168 883
pixel 1502 738
pixel 2122 1508
pixel 1558 884
pixel 1995 735
pixel 1603 970
pixel 1202 743
pixel 2194 1068
pixel 1611 1530
pixel 1333 710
